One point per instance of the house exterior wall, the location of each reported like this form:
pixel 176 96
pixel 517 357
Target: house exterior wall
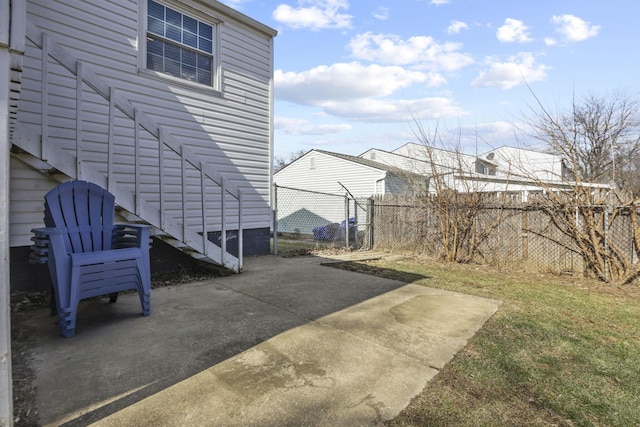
pixel 228 126
pixel 516 162
pixel 517 170
pixel 395 184
pixel 326 173
pixel 27 187
pixel 441 160
pixel 320 172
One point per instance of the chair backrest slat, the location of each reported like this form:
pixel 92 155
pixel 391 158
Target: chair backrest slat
pixel 86 211
pixel 80 203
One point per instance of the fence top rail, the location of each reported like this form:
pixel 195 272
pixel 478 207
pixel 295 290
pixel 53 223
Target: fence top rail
pixel 411 201
pixel 308 191
pixel 530 208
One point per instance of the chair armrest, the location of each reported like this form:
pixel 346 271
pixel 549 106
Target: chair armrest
pixel 42 243
pixel 130 236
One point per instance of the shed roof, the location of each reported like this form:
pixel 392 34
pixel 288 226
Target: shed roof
pixel 365 162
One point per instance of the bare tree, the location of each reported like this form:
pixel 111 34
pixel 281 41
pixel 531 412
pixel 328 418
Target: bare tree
pixel 599 138
pixel 628 171
pixel 464 214
pixel 280 163
pixel 600 142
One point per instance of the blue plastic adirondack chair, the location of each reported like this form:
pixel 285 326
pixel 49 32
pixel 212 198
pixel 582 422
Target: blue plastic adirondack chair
pixel 87 254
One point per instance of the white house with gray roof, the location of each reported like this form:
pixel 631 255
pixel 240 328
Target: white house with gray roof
pixel 324 178
pixel 328 172
pixel 505 170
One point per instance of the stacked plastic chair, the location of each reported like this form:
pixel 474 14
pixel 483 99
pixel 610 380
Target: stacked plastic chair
pixel 87 254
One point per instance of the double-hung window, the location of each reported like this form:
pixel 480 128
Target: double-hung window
pixel 180 45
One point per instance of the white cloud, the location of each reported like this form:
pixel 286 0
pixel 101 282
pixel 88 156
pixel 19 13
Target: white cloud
pixel 381 13
pixel 294 126
pixel 491 133
pixel 515 71
pixel 419 50
pixel 456 26
pixel 513 30
pixel 314 14
pixel 358 92
pixel 394 110
pixel 550 41
pixel 440 2
pixel 573 28
pixel 343 81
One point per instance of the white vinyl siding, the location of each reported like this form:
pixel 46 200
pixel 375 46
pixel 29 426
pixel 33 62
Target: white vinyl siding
pixel 330 172
pixel 327 175
pixel 440 160
pixel 398 185
pixel 230 129
pixel 27 188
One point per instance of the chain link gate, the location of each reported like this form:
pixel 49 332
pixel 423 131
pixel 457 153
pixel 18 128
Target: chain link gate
pixel 310 220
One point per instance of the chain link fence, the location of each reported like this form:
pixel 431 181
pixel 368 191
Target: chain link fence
pixel 512 235
pixel 309 220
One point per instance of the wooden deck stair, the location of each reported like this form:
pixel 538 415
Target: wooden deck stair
pixel 31 147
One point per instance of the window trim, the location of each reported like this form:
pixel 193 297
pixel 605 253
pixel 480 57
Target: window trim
pixel 200 15
pixel 483 168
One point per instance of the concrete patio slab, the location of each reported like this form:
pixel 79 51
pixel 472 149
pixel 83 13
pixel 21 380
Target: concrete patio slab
pixel 288 342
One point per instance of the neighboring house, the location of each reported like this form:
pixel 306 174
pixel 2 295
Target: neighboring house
pixel 408 163
pixel 167 103
pixel 333 173
pixel 505 170
pixel 443 161
pixel 430 163
pixel 517 162
pixel 503 162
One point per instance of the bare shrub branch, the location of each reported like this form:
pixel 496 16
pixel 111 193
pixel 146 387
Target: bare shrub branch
pixel 592 138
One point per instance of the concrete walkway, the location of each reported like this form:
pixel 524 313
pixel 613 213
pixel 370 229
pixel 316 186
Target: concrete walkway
pixel 287 343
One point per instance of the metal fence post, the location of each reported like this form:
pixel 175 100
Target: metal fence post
pixel 275 219
pixel 370 214
pixel 607 253
pixel 525 234
pixel 346 224
pixel 355 222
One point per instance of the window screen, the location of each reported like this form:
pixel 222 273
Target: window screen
pixel 179 45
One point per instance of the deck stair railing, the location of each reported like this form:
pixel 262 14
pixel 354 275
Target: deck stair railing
pixel 48 157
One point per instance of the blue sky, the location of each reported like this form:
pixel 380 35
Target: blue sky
pixel 352 75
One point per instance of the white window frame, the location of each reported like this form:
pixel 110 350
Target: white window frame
pixel 198 14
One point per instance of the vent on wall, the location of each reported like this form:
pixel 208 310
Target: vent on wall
pixel 312 162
